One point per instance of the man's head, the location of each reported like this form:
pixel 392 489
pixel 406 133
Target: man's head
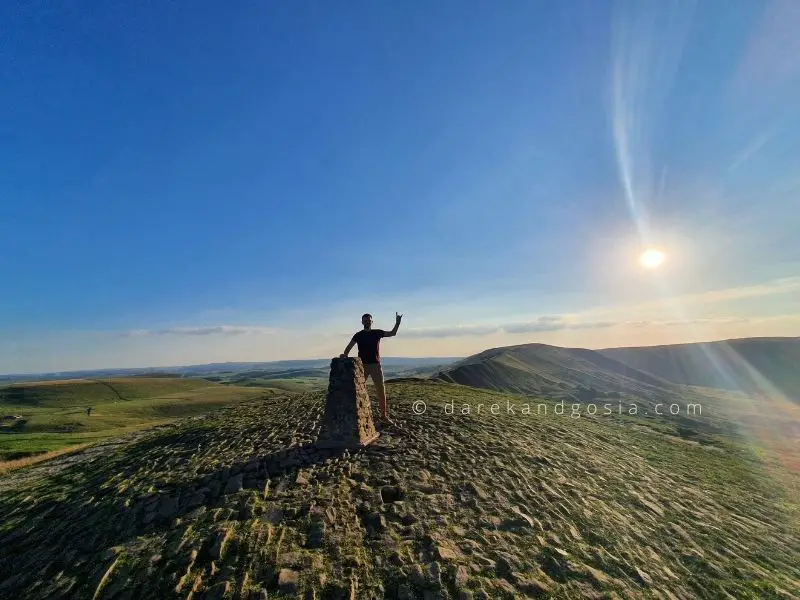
pixel 366 320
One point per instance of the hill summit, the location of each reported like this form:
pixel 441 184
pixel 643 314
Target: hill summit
pixel 241 504
pixel 574 373
pixel 752 365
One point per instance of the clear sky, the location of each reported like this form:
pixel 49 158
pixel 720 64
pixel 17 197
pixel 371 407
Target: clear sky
pixel 193 182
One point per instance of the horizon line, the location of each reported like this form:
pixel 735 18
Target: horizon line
pixel 254 362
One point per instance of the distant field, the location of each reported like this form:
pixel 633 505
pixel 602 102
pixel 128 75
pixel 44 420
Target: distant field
pixel 309 380
pixel 54 413
pixel 283 384
pixel 85 392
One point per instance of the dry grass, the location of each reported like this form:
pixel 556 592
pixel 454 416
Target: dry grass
pixel 12 465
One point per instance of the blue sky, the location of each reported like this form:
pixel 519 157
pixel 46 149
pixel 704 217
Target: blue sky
pixel 191 183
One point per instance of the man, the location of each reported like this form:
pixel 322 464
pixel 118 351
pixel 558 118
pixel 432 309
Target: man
pixel 368 340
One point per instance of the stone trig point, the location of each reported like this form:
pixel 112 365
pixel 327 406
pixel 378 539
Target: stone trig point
pixel 347 422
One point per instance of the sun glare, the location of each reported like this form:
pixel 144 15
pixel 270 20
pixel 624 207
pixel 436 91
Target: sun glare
pixel 652 258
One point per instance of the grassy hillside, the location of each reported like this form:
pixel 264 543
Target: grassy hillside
pixel 68 393
pixel 553 371
pixel 284 384
pixel 752 365
pixel 54 413
pixel 583 378
pixel 240 505
pixel 304 380
pixel 222 370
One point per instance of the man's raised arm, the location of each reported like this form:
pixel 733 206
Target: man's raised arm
pixel 349 347
pixel 393 332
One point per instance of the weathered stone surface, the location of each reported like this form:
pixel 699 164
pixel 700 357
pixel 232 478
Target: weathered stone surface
pixel 221 541
pixel 347 421
pixel 478 498
pixel 392 493
pixel 316 534
pixel 461 575
pixel 288 581
pixel 218 590
pixel 168 508
pixel 234 484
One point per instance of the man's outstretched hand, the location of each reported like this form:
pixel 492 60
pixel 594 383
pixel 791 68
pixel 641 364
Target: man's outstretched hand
pixel 398 316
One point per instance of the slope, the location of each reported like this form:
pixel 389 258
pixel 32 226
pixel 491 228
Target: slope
pixel 48 416
pixel 240 505
pixel 541 369
pixel 751 365
pixel 85 392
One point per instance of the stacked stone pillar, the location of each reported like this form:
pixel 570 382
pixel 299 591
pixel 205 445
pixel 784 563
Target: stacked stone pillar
pixel 347 422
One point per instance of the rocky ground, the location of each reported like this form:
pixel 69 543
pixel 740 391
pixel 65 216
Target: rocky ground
pixel 240 505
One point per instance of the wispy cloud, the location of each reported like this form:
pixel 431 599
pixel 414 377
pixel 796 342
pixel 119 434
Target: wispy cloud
pixel 539 325
pixel 549 324
pixel 227 330
pixel 647 49
pixel 752 149
pixel 784 285
pixel 774 287
pixel 454 331
pixel 558 323
pixel 711 321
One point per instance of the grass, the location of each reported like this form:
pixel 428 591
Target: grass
pixel 85 392
pixel 11 465
pixel 553 371
pixel 539 505
pixel 55 413
pixel 284 384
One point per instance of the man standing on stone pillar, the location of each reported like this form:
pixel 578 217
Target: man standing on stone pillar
pixel 368 340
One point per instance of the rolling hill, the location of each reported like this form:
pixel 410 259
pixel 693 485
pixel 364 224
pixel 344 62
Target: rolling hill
pixel 307 379
pixel 751 365
pixel 86 392
pixel 556 372
pixel 48 416
pixel 398 363
pixel 651 378
pixel 240 504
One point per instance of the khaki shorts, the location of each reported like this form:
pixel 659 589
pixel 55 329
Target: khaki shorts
pixel 375 371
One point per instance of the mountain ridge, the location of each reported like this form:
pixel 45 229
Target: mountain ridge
pixel 751 365
pixel 760 365
pixel 551 370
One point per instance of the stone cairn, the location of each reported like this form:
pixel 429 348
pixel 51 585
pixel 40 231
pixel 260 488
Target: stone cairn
pixel 347 422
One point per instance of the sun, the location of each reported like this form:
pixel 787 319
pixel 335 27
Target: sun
pixel 652 258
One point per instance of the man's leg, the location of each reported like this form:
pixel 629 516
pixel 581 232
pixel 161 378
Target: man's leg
pixel 377 377
pixel 374 370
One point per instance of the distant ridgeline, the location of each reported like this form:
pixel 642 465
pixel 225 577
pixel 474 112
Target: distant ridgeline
pixel 566 373
pixel 396 363
pixel 753 366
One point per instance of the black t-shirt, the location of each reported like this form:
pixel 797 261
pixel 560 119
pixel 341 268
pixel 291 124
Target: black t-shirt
pixel 368 341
